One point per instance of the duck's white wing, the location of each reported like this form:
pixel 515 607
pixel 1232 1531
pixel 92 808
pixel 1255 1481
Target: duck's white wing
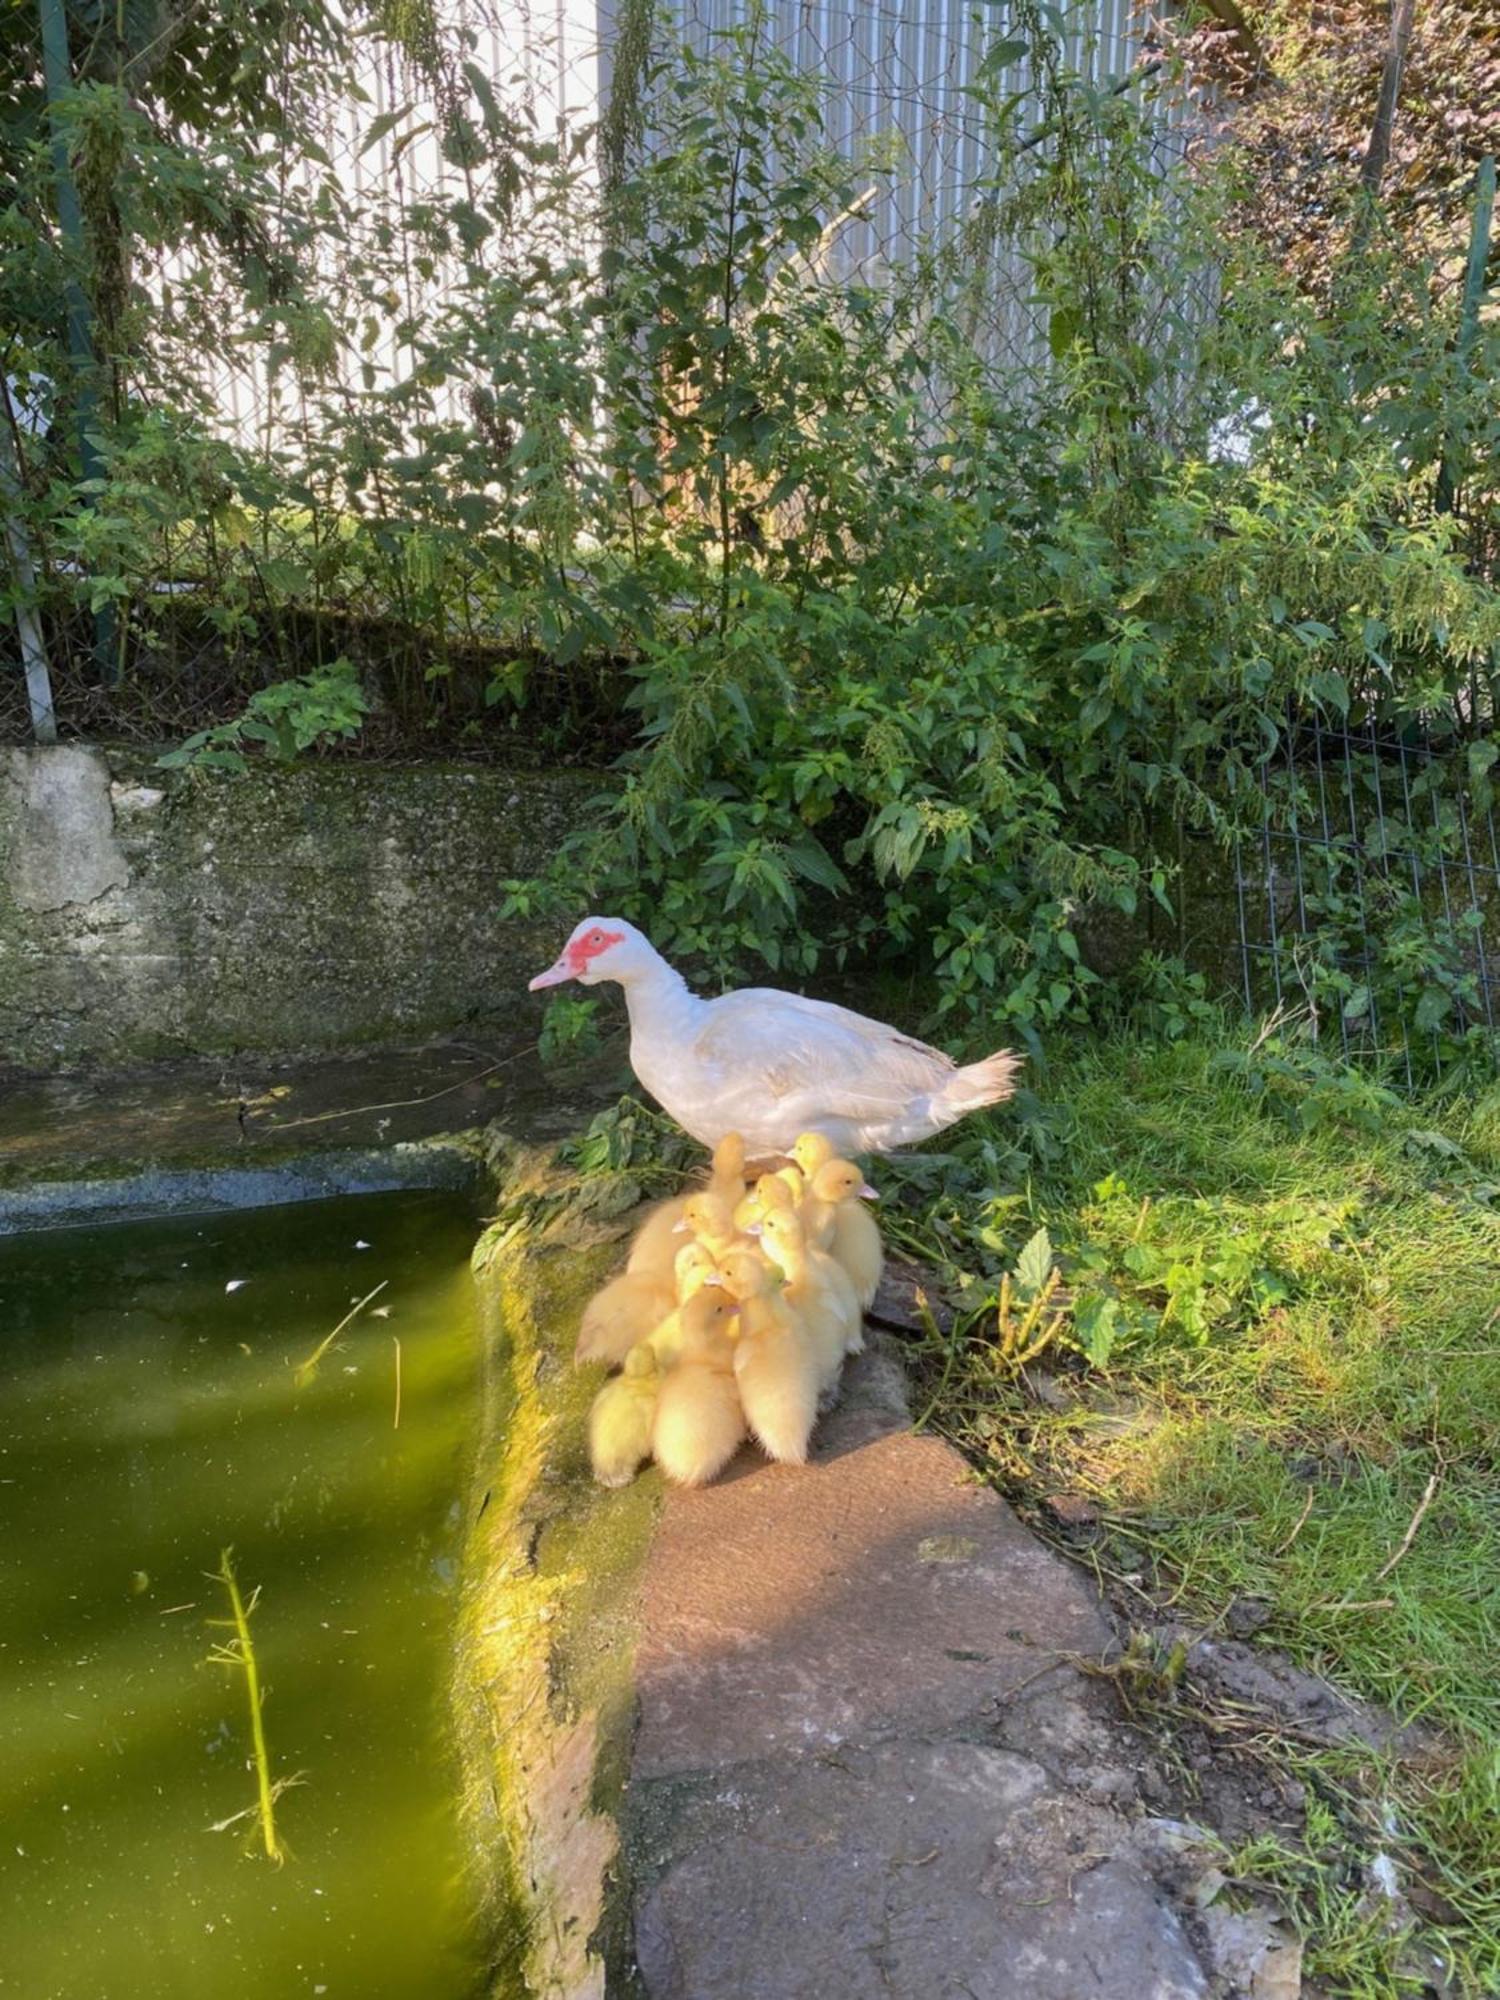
pixel 760 1046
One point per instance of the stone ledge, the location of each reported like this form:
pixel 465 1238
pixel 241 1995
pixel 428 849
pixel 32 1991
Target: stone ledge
pixel 542 1675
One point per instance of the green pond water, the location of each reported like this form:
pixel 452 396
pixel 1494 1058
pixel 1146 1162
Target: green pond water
pixel 150 1416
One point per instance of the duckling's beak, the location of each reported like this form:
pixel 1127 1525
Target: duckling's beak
pixel 680 1228
pixel 755 1229
pixel 867 1193
pixel 713 1278
pixel 553 977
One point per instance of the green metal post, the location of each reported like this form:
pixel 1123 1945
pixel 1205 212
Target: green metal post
pixel 57 70
pixel 1468 312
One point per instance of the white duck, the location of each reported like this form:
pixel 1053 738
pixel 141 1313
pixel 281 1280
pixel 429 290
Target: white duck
pixel 771 1065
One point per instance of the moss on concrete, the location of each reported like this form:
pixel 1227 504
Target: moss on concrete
pixel 147 914
pixel 543 1677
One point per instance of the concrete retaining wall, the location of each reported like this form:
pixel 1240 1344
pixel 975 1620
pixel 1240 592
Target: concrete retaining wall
pixel 147 914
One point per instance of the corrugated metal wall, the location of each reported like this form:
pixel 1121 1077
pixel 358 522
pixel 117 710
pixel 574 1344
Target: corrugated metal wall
pixel 543 61
pixel 891 73
pixel 905 69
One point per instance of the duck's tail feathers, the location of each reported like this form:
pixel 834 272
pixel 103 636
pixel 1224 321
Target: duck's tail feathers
pixel 981 1083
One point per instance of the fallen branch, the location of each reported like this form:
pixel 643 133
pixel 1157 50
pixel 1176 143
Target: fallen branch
pixel 240 1652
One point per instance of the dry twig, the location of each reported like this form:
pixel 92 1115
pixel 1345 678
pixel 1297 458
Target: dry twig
pixel 1301 1524
pixel 1412 1526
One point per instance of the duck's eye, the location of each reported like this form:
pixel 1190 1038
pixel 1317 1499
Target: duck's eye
pixel 596 937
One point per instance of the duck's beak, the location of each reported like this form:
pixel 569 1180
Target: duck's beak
pixel 554 976
pixel 713 1278
pixel 680 1228
pixel 867 1193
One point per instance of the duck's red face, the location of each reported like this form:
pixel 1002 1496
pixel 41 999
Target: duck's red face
pixel 583 956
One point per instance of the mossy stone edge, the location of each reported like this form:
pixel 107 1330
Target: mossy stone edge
pixel 543 1684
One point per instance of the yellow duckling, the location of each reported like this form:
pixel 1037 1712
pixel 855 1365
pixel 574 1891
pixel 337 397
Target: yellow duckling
pixel 694 1266
pixel 710 1218
pixel 621 1419
pixel 655 1244
pixel 770 1190
pixel 810 1151
pixel 820 1293
pixel 775 1362
pixel 623 1312
pixel 699 1422
pixel 837 1222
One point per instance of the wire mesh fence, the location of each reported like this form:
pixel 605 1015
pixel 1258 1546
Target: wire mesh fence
pixel 1369 902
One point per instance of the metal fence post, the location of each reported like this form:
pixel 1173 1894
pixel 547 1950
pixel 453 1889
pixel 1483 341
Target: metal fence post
pixel 57 70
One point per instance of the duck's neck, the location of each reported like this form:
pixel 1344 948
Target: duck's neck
pixel 658 1001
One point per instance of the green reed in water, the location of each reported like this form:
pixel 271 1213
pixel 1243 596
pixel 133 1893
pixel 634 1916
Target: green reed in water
pixel 240 1652
pixel 308 1368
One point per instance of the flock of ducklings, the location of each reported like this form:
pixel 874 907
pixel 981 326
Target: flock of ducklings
pixel 732 1316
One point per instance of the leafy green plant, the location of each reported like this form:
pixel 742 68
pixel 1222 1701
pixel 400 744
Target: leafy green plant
pixel 1027 1319
pixel 570 1028
pixel 283 721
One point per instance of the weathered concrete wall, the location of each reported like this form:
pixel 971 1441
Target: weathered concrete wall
pixel 146 914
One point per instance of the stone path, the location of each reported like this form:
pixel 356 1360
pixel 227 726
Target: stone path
pixel 867 1767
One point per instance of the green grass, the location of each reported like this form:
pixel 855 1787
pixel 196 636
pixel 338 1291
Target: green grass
pixel 1290 1287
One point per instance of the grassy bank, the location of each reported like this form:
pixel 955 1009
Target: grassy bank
pixel 1273 1398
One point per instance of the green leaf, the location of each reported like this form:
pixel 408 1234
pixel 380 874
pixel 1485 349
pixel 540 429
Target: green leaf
pixel 1096 1327
pixel 379 127
pixel 810 859
pixel 1062 330
pixel 1331 689
pixel 1433 1008
pixel 1034 1265
pixel 286 578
